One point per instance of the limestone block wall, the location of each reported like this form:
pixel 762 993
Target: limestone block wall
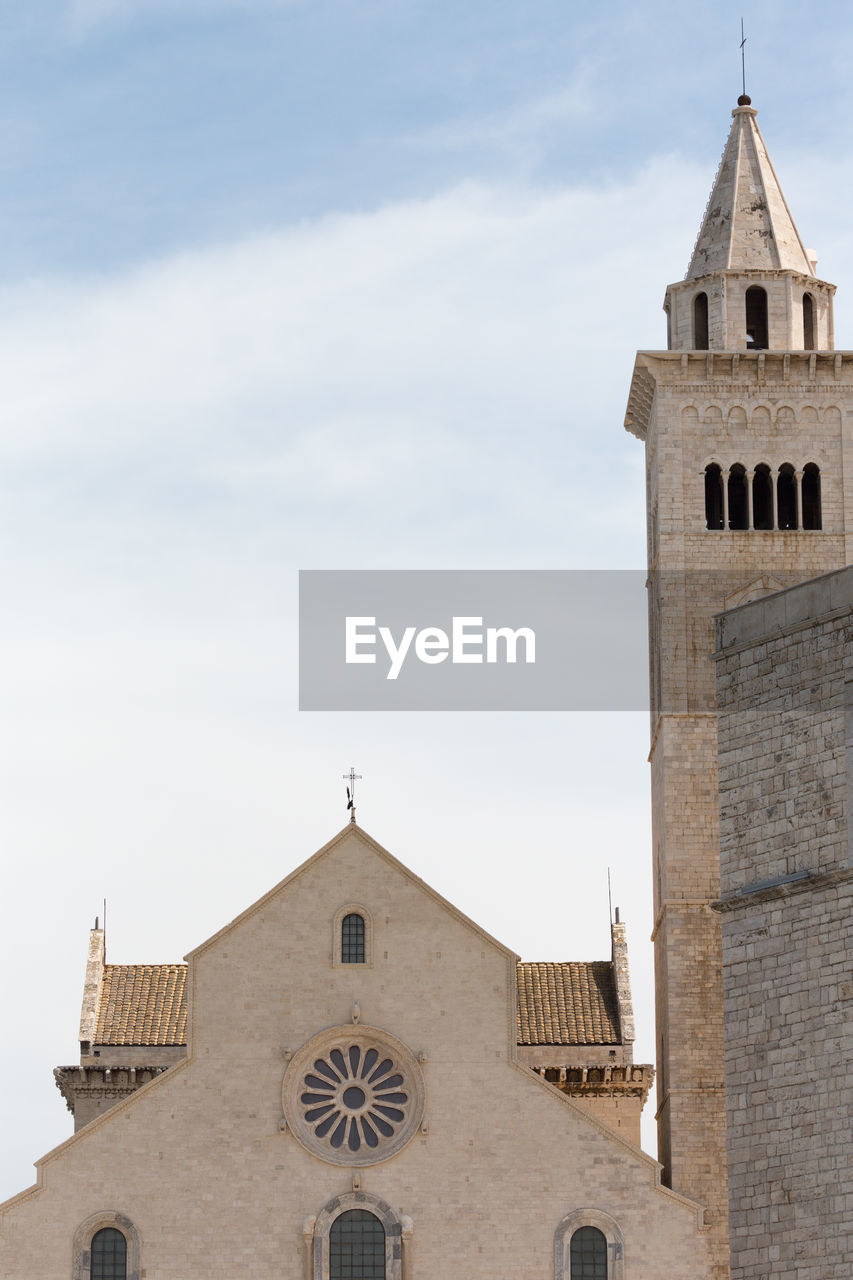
pixel 691 410
pixel 785 705
pixel 620 1113
pixel 201 1164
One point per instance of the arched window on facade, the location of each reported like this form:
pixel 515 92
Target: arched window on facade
pixel 713 496
pixel 808 322
pixel 700 322
pixel 109 1255
pixel 811 497
pixel 786 497
pixel 357 1246
pixel 762 498
pixel 588 1254
pixel 738 501
pixel 352 939
pixel 588 1245
pixel 107 1247
pixel 756 318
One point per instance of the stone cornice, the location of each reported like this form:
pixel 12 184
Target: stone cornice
pixel 632 1079
pixel 754 895
pixel 103 1081
pixel 731 371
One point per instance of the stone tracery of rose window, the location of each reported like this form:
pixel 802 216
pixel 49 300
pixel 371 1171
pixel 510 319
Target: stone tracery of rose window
pixel 353 1095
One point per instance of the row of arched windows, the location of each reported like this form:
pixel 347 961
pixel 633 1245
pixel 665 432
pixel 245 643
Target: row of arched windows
pixel 356 1244
pixel 738 500
pixel 755 320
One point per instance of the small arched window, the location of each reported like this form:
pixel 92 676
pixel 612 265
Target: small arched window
pixel 352 939
pixel 811 497
pixel 700 322
pixel 588 1254
pixel 738 504
pixel 713 496
pixel 756 318
pixel 588 1245
pixel 786 497
pixel 762 498
pixel 109 1255
pixel 357 1246
pixel 808 323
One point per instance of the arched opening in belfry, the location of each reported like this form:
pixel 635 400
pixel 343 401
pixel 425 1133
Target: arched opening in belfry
pixel 738 502
pixel 756 318
pixel 700 322
pixel 811 497
pixel 762 498
pixel 713 496
pixel 808 323
pixel 786 497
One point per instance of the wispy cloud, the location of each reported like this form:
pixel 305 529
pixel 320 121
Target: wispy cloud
pixel 522 131
pixel 439 383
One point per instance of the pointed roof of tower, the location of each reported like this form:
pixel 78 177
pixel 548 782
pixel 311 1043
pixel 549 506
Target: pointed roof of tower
pixel 747 225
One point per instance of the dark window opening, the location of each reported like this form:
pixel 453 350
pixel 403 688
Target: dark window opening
pixel 109 1255
pixel 762 498
pixel 700 322
pixel 786 497
pixel 811 497
pixel 756 318
pixel 738 503
pixel 588 1254
pixel 713 497
pixel 352 939
pixel 808 322
pixel 357 1247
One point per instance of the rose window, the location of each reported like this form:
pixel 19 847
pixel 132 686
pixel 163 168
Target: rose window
pixel 353 1096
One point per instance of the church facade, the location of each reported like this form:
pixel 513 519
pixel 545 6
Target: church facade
pixel 353 1079
pixel 352 1100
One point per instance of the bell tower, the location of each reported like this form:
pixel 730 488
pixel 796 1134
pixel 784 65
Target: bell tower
pixel 747 421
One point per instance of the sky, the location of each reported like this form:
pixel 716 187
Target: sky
pixel 333 284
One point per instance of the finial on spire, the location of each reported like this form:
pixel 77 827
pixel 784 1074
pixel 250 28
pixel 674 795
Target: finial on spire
pixel 352 778
pixel 744 100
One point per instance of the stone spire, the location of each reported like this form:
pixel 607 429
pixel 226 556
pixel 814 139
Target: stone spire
pixel 748 225
pixel 751 284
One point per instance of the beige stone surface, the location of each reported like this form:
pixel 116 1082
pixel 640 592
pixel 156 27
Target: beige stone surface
pixel 197 1160
pixel 785 707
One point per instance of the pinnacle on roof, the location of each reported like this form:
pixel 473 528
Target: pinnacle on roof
pixel 747 225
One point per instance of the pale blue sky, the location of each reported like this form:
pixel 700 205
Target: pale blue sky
pixel 332 285
pixel 137 127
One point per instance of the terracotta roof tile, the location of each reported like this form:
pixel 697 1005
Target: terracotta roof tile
pixel 565 1003
pixel 558 1003
pixel 143 1004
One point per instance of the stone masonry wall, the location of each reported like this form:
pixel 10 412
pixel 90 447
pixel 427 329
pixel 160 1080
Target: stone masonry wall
pixel 784 686
pixel 692 409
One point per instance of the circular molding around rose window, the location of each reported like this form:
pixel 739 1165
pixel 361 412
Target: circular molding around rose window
pixel 353 1095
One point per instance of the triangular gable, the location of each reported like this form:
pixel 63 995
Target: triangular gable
pixel 350 830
